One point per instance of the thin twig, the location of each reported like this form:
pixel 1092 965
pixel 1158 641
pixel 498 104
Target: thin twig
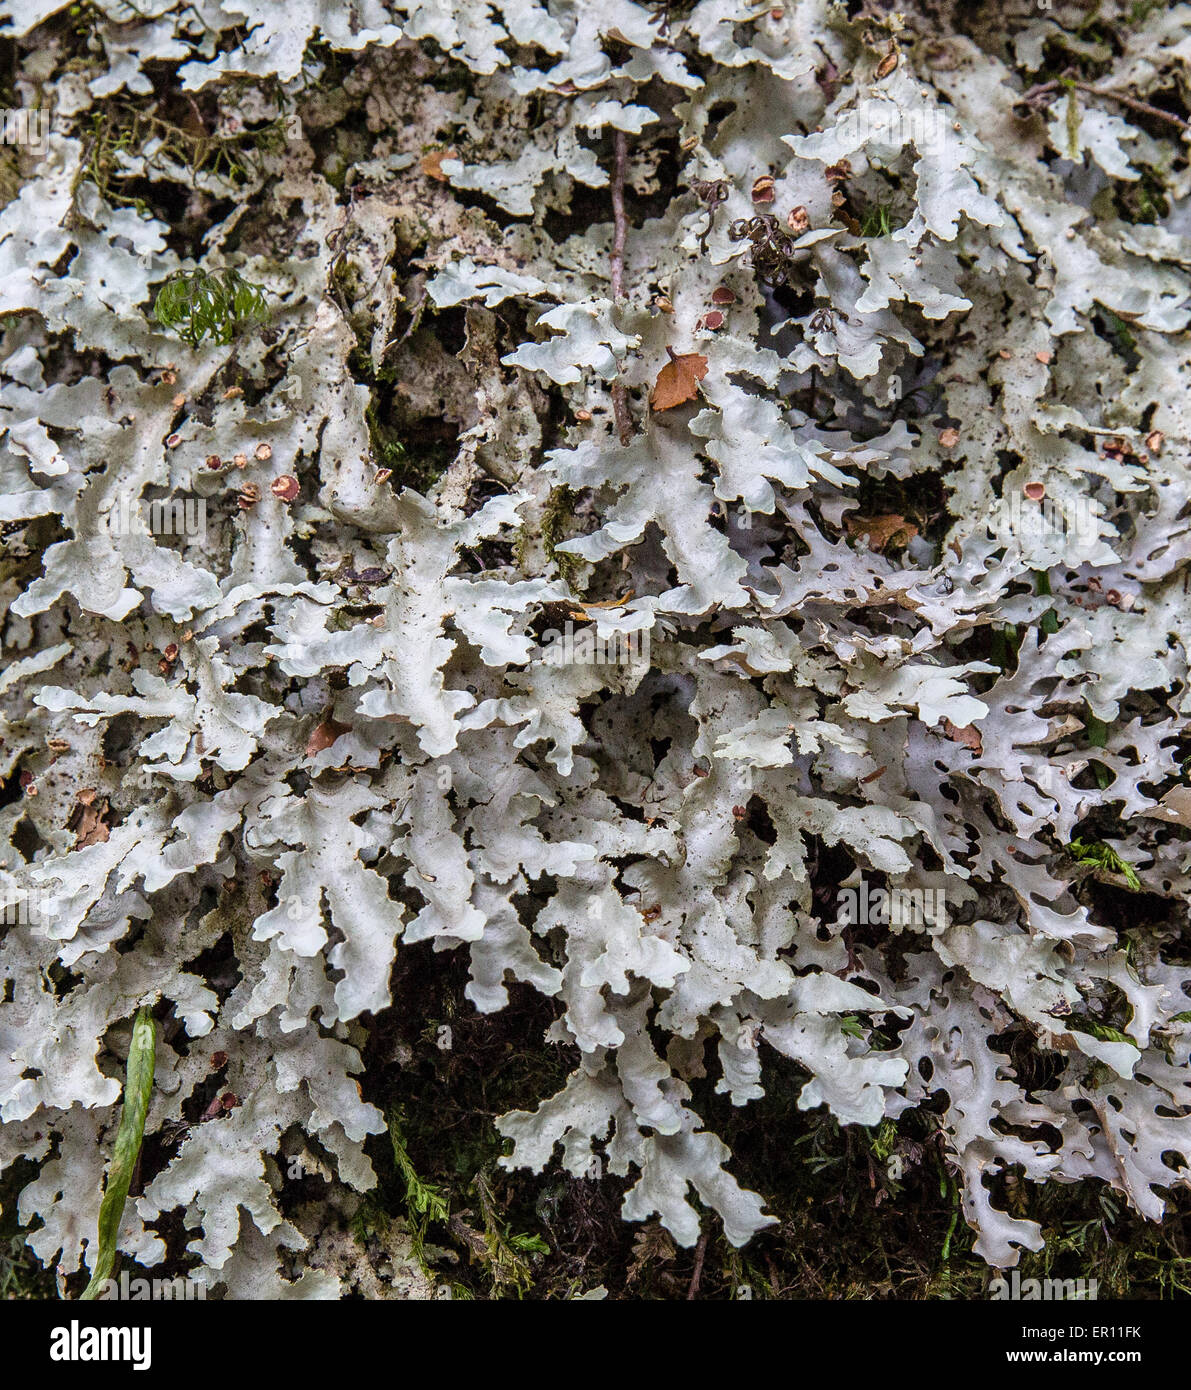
pixel 620 225
pixel 1133 103
pixel 700 1253
pixel 620 228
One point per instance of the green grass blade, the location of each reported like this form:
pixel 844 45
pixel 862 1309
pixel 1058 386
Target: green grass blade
pixel 138 1088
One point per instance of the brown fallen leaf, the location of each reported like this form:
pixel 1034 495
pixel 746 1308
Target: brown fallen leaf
pixel 1174 807
pixel 324 735
pixel 843 216
pixel 87 819
pixel 968 735
pixel 651 1247
pixel 432 164
pixel 583 610
pixel 882 531
pixel 678 381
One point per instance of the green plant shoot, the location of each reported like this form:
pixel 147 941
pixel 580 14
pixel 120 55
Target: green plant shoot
pixel 217 304
pixel 138 1088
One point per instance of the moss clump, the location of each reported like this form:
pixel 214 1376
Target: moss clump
pixel 120 128
pixel 201 304
pixel 863 1213
pixel 413 463
pixel 21 1274
pixel 557 515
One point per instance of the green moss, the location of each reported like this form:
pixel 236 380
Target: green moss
pixel 439 1164
pixel 1105 860
pixel 863 1213
pixel 557 515
pixel 345 276
pixel 120 128
pixel 416 464
pixel 200 304
pixel 21 1276
pixel 876 221
pixel 387 449
pixel 10 175
pixel 1143 200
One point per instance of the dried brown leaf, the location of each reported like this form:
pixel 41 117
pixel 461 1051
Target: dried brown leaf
pixel 882 531
pixel 968 735
pixel 678 381
pixel 324 735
